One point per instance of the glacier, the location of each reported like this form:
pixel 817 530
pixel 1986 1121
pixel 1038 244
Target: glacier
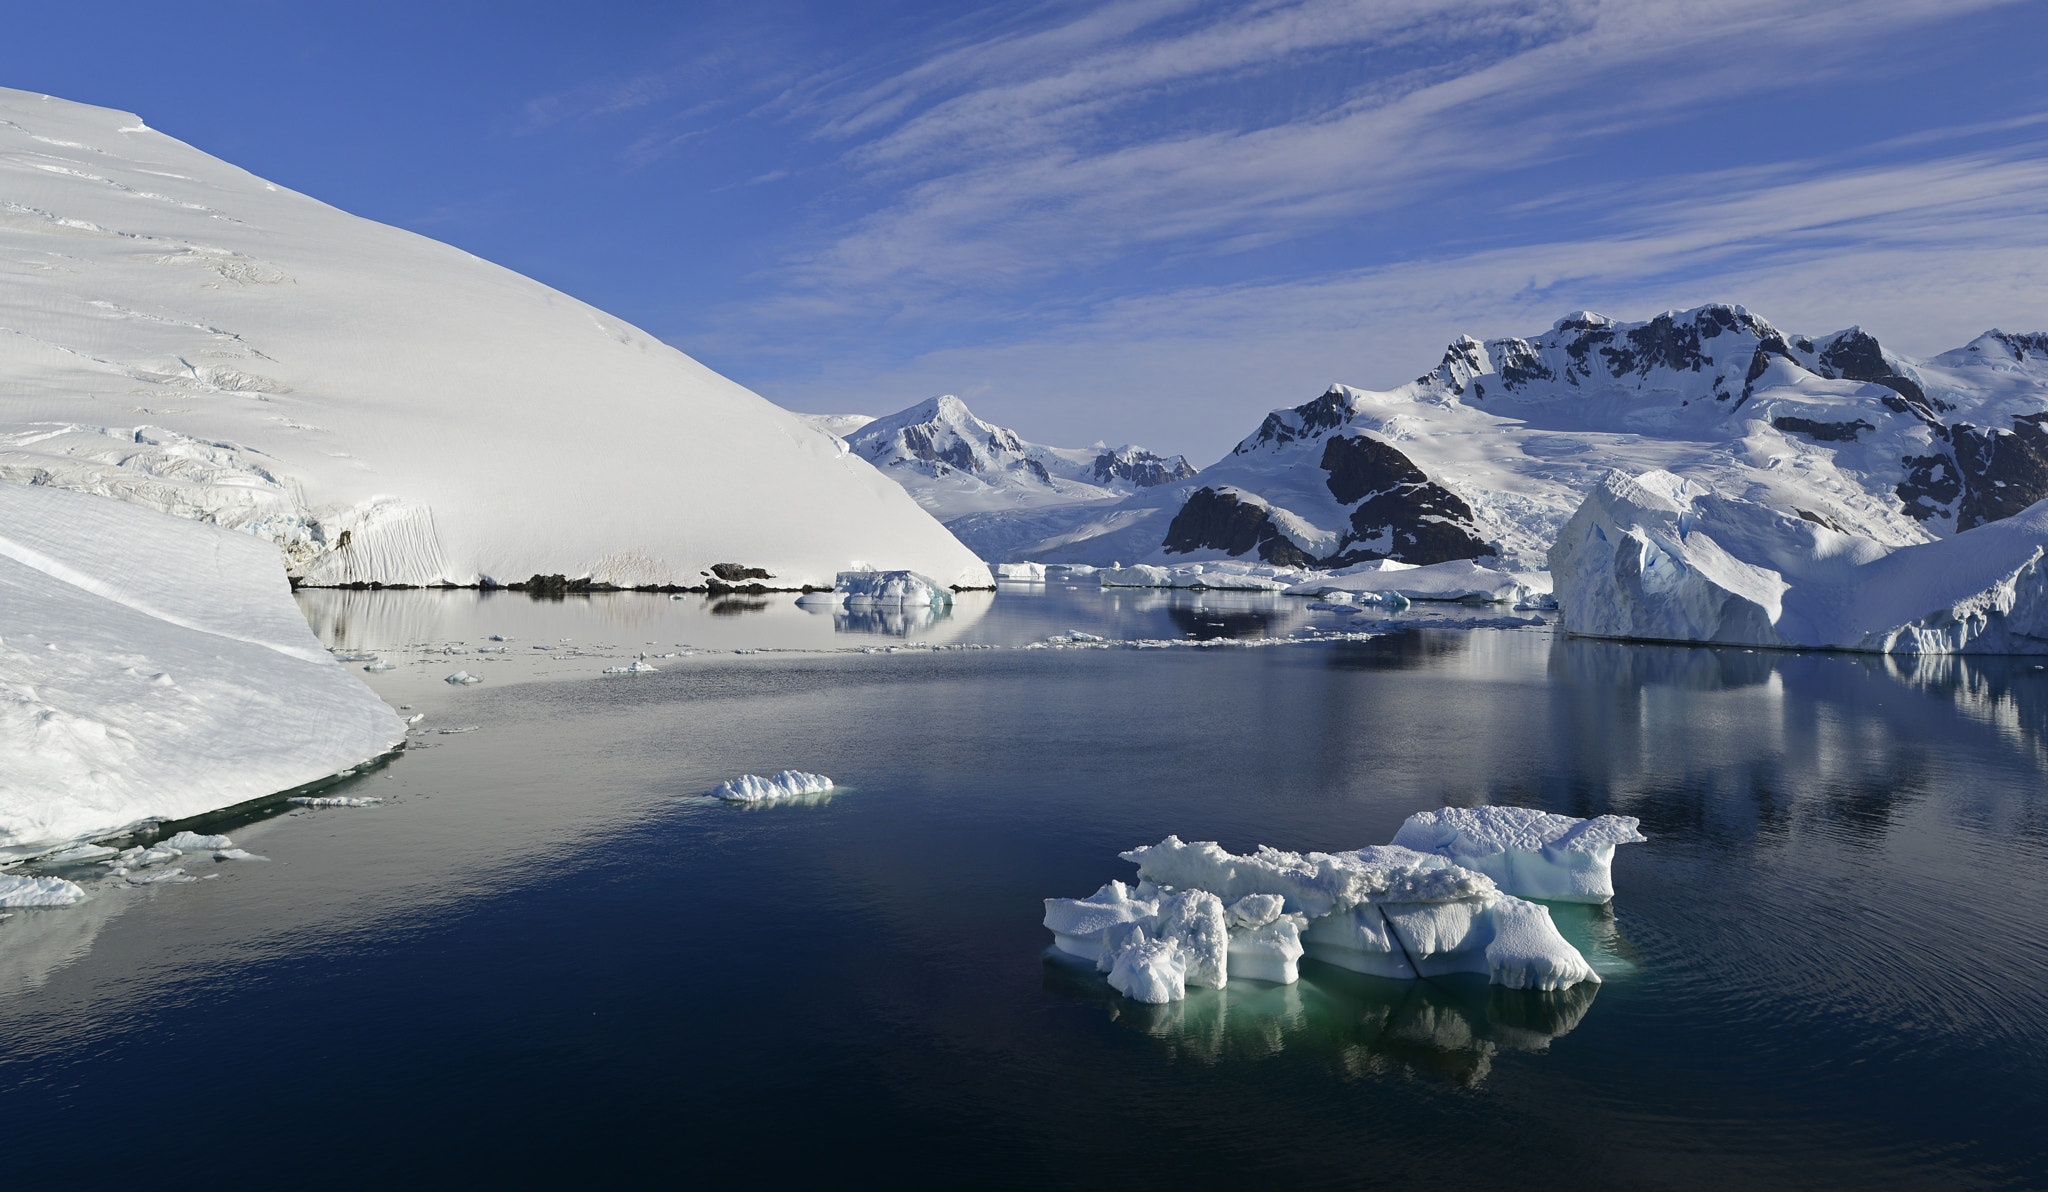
pixel 1450 895
pixel 385 409
pixel 1662 557
pixel 154 668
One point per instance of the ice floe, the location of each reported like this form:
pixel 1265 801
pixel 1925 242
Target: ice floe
pixel 1664 558
pixel 39 891
pixel 752 788
pixel 1199 915
pixel 155 668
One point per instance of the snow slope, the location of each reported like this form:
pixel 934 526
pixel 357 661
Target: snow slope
pixel 955 464
pixel 152 667
pixel 1659 557
pixel 1489 453
pixel 178 333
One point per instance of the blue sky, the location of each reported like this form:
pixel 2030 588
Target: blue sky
pixel 1144 220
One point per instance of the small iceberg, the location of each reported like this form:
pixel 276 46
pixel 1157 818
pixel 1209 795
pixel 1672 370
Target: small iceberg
pixel 1450 895
pixel 906 589
pixel 640 666
pixel 463 677
pixel 39 891
pixel 752 788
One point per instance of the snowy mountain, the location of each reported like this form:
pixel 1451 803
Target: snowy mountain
pixel 178 333
pixel 1490 453
pixel 954 464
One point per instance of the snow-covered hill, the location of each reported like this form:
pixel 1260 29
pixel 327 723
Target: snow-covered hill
pixel 178 333
pixel 1490 453
pixel 955 464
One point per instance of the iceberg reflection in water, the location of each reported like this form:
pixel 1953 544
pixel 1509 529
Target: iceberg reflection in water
pixel 1446 1028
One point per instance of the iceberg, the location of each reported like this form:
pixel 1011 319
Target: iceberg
pixel 893 589
pixel 39 891
pixel 1385 910
pixel 1457 580
pixel 1527 853
pixel 154 668
pixel 752 788
pixel 1659 557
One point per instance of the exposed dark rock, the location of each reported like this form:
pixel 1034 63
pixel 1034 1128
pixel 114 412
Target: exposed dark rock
pixel 2003 471
pixel 1518 364
pixel 1822 519
pixel 1359 466
pixel 1327 412
pixel 1822 432
pixel 735 572
pixel 1857 356
pixel 1141 468
pixel 1217 520
pixel 1930 486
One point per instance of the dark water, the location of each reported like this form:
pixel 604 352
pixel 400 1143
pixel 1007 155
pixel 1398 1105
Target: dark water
pixel 542 961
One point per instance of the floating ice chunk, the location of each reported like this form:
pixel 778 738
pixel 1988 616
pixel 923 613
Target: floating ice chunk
pixel 193 842
pixel 335 800
pixel 172 877
pixel 1148 970
pixel 1075 635
pixel 144 855
pixel 1388 910
pixel 1019 571
pixel 451 732
pixel 39 891
pixel 237 854
pixel 752 788
pixel 463 676
pixel 906 588
pixel 639 667
pixel 416 717
pixel 353 656
pixel 1528 853
pixel 381 665
pixel 1078 924
pixel 1194 920
pixel 1267 951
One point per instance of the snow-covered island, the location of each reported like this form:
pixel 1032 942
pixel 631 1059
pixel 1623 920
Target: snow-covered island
pixel 1449 896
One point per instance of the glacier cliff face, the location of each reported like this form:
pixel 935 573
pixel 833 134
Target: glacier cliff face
pixel 1658 557
pixel 386 409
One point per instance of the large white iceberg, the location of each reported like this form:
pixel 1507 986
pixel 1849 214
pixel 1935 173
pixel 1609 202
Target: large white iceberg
pixel 1662 558
pixel 1386 910
pixel 156 668
pixel 386 409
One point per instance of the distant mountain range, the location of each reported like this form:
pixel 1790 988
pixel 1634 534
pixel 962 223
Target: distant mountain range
pixel 1486 455
pixel 954 464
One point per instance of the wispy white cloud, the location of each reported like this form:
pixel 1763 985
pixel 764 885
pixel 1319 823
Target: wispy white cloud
pixel 1926 255
pixel 1029 155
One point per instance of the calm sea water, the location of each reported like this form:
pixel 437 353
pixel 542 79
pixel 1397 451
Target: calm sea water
pixel 543 959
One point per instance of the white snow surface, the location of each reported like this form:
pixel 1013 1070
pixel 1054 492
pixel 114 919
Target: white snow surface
pixel 156 668
pixel 1665 558
pixel 1528 853
pixel 752 788
pixel 1521 430
pixel 180 334
pixel 1387 910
